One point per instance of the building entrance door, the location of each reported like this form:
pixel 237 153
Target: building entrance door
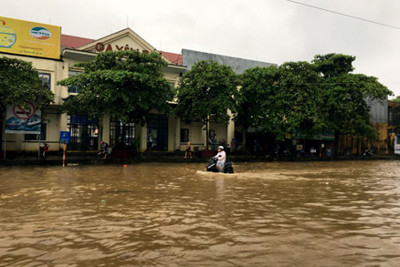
pixel 157 132
pixel 84 133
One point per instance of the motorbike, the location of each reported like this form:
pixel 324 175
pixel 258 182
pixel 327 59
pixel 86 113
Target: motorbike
pixel 105 153
pixel 43 151
pixel 368 153
pixel 212 166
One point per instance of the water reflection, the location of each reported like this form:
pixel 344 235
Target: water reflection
pixel 279 214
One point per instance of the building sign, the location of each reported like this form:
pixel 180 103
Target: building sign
pixel 24 119
pixel 101 47
pixel 29 38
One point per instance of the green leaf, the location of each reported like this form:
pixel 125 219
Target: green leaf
pixel 125 85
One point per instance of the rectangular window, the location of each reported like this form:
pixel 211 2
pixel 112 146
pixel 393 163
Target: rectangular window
pixel 33 137
pixel 46 80
pixel 122 134
pixel 184 135
pixel 73 89
pixel 211 134
pixel 212 140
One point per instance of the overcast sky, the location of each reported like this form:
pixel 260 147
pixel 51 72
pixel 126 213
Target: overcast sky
pixel 274 31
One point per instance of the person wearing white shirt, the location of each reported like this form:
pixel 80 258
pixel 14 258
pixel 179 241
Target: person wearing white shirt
pixel 221 156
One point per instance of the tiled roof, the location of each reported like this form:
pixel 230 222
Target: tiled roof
pixel 69 41
pixel 173 58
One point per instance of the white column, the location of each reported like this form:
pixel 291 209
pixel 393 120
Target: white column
pixel 178 134
pixel 203 134
pixel 105 122
pixel 143 138
pixel 230 129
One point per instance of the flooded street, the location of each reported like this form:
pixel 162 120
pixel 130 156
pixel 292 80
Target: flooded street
pixel 153 214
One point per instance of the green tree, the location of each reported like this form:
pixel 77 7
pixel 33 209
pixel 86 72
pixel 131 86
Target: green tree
pixel 301 97
pixel 397 99
pixel 206 92
pixel 332 65
pixel 256 107
pixel 125 85
pixel 19 83
pixel 346 96
pixel 281 100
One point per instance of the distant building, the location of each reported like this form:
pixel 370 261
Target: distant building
pixel 393 123
pixel 238 65
pixel 379 119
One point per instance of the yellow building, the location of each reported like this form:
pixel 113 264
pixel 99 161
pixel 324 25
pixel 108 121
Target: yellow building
pixel 168 134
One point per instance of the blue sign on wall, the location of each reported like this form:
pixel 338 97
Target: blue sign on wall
pixel 65 137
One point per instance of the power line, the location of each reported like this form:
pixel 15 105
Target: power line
pixel 345 15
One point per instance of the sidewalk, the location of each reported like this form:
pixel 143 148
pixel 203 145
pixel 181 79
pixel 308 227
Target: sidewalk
pixel 52 159
pixel 91 158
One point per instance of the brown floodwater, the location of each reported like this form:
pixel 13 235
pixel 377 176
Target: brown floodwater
pixel 152 214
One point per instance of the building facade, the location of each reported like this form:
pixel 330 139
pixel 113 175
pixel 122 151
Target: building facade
pixel 167 134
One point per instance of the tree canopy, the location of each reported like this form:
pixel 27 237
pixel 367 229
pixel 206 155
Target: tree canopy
pixel 346 95
pixel 310 97
pixel 126 85
pixel 397 99
pixel 206 92
pixel 331 65
pixel 19 83
pixel 281 100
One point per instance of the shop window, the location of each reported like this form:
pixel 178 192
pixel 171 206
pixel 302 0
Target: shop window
pixel 184 135
pixel 46 80
pixel 73 89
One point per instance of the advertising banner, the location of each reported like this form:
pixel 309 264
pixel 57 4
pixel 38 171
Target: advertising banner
pixel 29 38
pixel 23 119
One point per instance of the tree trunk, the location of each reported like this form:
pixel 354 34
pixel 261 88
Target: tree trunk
pixel 207 137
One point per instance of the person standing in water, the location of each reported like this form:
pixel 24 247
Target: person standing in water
pixel 188 149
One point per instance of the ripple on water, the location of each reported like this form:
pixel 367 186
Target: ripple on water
pixel 265 214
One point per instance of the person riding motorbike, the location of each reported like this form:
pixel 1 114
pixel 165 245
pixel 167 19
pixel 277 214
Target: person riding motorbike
pixel 218 163
pixel 104 150
pixel 221 157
